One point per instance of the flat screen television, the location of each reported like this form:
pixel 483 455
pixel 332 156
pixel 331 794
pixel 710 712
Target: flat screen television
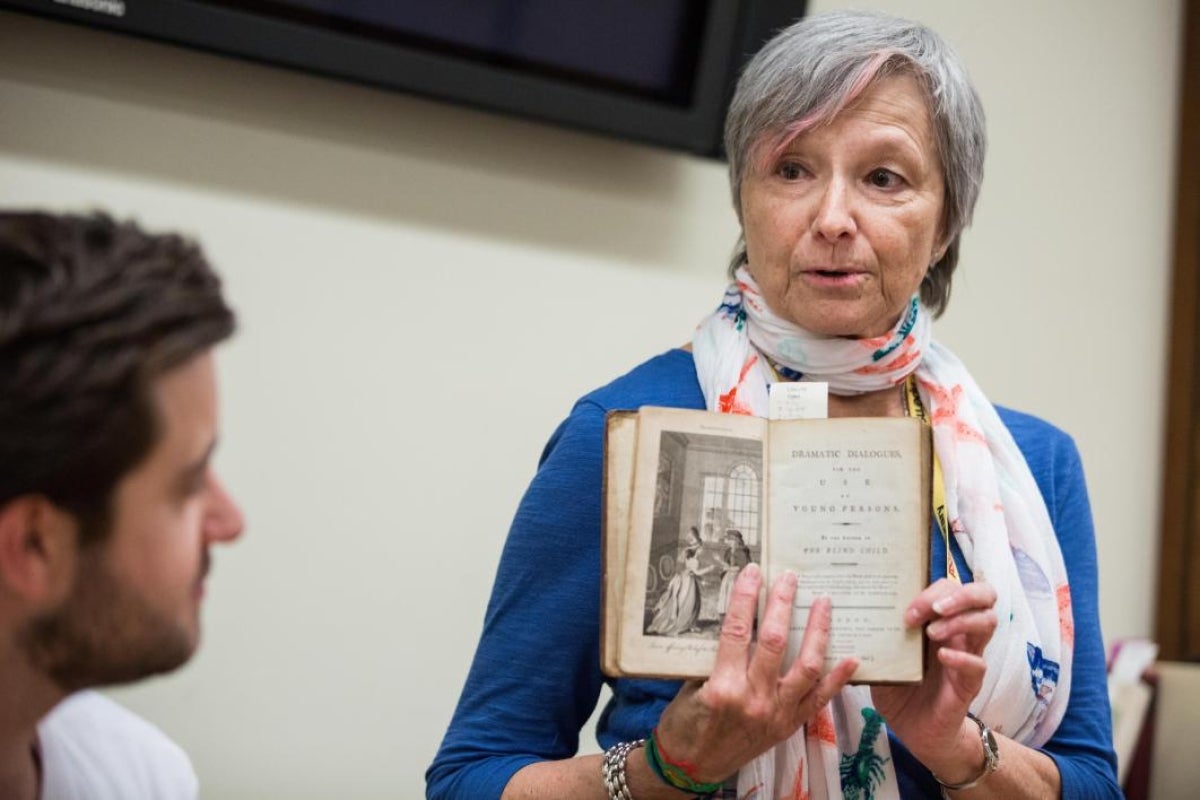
pixel 655 71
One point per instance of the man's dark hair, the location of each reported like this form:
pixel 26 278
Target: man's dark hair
pixel 92 311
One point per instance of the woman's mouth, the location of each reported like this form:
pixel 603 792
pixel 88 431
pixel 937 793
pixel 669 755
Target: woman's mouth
pixel 831 277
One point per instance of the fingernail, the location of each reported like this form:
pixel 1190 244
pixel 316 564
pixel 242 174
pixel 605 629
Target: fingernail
pixel 750 570
pixel 789 579
pixel 912 614
pixel 935 630
pixel 941 606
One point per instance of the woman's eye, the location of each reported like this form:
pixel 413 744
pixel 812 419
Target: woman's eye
pixel 884 179
pixel 790 171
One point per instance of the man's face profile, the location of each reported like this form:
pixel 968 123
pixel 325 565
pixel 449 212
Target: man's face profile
pixel 134 604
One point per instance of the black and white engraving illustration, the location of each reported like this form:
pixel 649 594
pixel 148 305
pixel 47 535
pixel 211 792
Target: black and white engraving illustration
pixel 707 527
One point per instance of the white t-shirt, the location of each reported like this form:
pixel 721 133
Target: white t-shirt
pixel 94 749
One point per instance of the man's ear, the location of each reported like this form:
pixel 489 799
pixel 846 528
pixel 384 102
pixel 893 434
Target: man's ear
pixel 38 542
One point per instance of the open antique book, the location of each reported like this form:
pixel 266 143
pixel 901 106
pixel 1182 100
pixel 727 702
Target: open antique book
pixel 691 497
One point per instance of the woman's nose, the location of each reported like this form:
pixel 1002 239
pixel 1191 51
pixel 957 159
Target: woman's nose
pixel 834 218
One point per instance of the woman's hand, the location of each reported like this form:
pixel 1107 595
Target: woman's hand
pixel 928 717
pixel 749 703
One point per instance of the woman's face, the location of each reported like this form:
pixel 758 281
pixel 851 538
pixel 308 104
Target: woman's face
pixel 841 226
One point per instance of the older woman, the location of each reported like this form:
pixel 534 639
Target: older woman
pixel 856 147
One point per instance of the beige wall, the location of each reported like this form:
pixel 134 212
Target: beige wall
pixel 426 289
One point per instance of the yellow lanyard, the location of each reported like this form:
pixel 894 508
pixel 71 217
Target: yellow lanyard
pixel 915 408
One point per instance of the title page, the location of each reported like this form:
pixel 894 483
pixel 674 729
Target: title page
pixel 848 511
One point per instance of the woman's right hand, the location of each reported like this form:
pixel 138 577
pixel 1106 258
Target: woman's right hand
pixel 749 703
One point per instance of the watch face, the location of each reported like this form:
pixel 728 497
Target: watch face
pixel 991 749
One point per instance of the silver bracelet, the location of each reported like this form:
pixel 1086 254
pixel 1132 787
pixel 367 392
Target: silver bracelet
pixel 613 769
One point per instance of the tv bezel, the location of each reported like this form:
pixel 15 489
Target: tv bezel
pixel 733 30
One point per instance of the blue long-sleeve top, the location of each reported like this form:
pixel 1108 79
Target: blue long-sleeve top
pixel 536 675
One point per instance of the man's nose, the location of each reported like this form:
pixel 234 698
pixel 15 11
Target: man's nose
pixel 224 521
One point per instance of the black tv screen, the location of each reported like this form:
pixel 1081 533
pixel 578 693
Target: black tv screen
pixel 656 71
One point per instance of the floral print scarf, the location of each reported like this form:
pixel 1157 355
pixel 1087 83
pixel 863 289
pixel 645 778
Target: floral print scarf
pixel 997 516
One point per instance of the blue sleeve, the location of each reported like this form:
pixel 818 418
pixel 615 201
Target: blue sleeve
pixel 536 674
pixel 1082 745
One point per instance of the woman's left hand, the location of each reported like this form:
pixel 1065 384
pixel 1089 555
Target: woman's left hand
pixel 928 717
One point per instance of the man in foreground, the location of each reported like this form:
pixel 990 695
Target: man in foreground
pixel 108 502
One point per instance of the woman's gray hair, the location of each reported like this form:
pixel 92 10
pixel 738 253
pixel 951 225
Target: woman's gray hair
pixel 813 69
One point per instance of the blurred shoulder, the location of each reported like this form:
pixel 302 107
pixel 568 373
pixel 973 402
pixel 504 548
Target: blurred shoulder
pixel 94 748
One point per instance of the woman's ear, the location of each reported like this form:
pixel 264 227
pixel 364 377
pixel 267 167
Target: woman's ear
pixel 942 240
pixel 940 246
pixel 38 549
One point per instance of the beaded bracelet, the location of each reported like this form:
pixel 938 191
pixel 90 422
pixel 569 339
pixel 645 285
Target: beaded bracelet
pixel 613 769
pixel 676 774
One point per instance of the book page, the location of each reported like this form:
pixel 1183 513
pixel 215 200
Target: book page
pixel 848 510
pixel 694 521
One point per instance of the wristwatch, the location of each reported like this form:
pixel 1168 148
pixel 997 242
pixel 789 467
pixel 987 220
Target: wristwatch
pixel 991 758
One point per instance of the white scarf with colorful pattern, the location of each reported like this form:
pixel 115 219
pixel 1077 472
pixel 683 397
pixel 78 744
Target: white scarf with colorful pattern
pixel 997 516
